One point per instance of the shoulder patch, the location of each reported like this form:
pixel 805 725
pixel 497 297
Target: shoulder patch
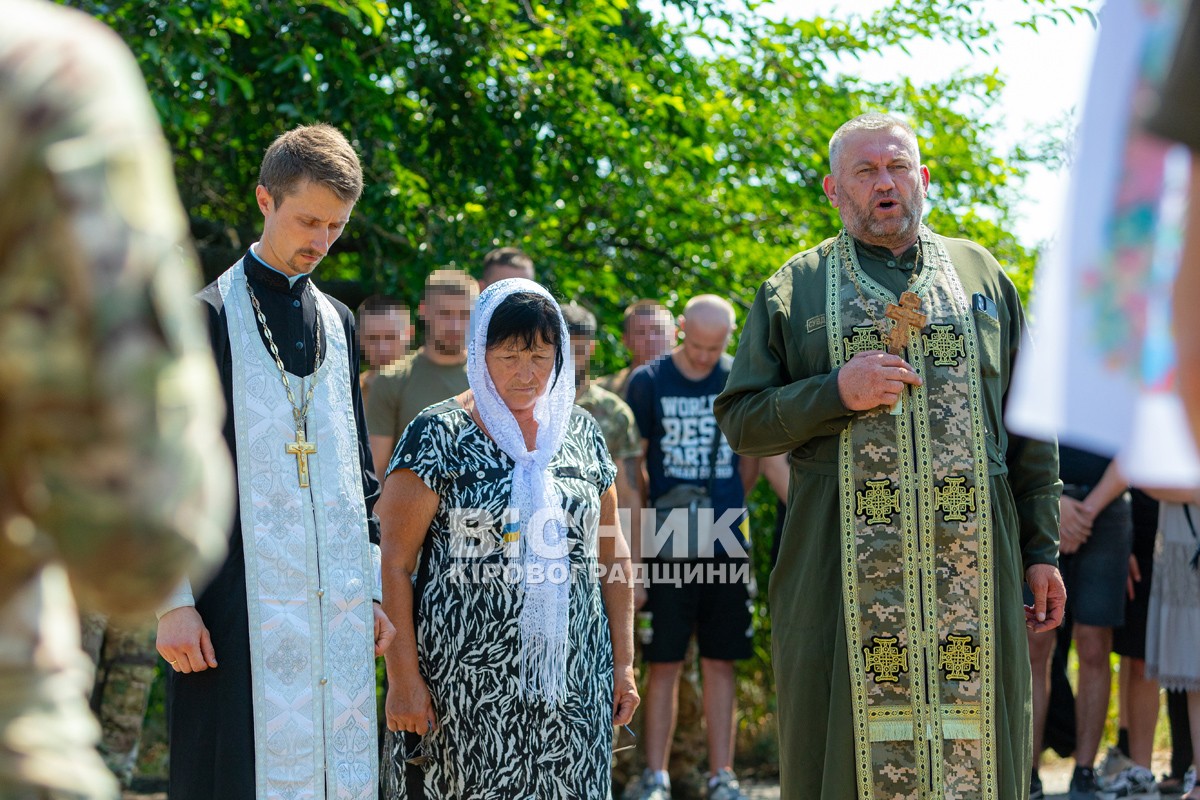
pixel 815 323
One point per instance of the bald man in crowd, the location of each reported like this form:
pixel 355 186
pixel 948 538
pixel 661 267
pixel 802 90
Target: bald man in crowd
pixel 692 474
pixel 503 263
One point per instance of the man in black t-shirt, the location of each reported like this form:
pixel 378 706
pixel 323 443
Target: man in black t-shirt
pixel 672 401
pixel 1095 535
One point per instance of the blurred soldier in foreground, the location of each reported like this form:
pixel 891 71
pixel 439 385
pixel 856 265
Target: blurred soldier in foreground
pixel 1177 118
pixel 113 480
pixel 123 654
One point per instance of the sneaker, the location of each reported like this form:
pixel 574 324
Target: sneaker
pixel 1035 787
pixel 1112 765
pixel 1189 781
pixel 726 787
pixel 1135 782
pixel 1084 786
pixel 646 788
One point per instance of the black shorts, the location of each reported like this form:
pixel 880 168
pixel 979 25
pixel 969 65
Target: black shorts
pixel 1130 639
pixel 717 607
pixel 1095 574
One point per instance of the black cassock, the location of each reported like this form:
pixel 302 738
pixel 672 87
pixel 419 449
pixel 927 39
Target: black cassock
pixel 210 714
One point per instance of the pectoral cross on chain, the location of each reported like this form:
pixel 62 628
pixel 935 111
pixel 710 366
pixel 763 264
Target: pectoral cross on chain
pixel 906 315
pixel 301 449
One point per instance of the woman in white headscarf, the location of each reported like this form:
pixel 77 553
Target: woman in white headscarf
pixel 513 656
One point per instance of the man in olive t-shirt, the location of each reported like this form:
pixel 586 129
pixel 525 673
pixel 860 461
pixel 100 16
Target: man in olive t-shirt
pixel 437 371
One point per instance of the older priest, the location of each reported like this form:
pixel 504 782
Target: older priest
pixel 880 360
pixel 273 689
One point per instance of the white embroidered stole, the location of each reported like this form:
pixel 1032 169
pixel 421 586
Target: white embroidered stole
pixel 309 572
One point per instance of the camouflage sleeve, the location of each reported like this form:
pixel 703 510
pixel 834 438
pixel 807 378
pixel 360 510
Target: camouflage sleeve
pixel 606 469
pixel 110 450
pixel 1177 117
pixel 628 442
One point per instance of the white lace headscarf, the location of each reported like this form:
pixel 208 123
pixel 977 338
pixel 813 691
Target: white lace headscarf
pixel 535 495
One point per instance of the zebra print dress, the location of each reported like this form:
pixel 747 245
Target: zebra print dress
pixel 491 741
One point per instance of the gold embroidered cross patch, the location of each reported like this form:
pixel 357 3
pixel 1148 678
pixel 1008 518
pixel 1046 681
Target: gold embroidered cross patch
pixel 944 345
pixel 879 503
pixel 954 499
pixel 866 337
pixel 885 661
pixel 958 658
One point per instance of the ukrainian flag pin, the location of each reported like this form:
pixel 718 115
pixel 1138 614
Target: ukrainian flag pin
pixel 512 530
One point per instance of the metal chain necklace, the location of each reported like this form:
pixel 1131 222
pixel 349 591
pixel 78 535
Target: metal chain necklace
pixel 850 261
pixel 300 448
pixel 906 317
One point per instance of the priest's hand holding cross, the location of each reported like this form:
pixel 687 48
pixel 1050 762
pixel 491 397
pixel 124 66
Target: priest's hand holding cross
pixel 874 378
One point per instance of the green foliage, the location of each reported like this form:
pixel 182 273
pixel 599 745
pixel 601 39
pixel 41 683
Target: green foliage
pixel 631 153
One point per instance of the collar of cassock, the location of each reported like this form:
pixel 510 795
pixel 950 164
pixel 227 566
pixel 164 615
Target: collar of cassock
pixel 263 273
pixel 884 256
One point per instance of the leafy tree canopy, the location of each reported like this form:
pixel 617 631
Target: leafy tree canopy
pixel 631 153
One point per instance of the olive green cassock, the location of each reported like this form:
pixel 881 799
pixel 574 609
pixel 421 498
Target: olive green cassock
pixel 782 396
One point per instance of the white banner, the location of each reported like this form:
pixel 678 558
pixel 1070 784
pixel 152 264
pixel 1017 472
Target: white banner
pixel 1101 375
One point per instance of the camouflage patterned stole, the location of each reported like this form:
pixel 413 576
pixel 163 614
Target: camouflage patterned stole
pixel 917 575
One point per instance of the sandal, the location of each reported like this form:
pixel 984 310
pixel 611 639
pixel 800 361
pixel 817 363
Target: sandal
pixel 1172 786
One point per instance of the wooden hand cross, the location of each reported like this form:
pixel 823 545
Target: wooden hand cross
pixel 906 315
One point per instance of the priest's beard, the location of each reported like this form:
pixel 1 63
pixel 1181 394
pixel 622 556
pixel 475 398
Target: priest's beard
pixel 299 267
pixel 893 232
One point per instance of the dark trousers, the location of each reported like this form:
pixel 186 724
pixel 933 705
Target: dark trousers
pixel 1181 734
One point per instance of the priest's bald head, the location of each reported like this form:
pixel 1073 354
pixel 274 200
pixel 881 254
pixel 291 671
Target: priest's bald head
pixel 308 184
pixel 707 324
pixel 877 182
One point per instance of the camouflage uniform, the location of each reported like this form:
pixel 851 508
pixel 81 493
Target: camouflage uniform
pixel 616 383
pixel 112 475
pixel 124 656
pixel 616 422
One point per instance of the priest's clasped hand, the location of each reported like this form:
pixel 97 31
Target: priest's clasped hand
pixel 384 630
pixel 874 378
pixel 184 641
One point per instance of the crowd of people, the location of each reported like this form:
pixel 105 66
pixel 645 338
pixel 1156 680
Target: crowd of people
pixel 490 520
pixel 657 435
pixel 1117 603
